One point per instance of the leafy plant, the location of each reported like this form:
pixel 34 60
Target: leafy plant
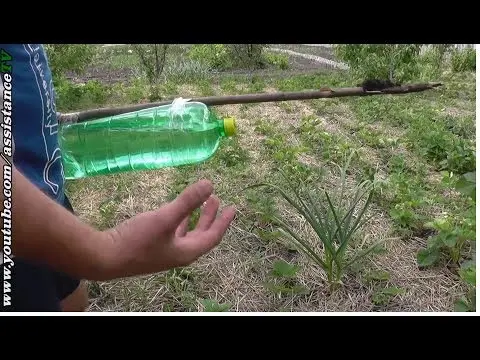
pixel 283 279
pixel 335 218
pixel 453 235
pixel 434 144
pixel 467 184
pixel 384 296
pixel 213 306
pixel 407 199
pixel 460 157
pixel 283 269
pixel 468 273
pixel 227 56
pixel 377 275
pixel 78 96
pixel 404 214
pixel 449 151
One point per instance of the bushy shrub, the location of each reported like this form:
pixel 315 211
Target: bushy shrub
pixel 277 60
pixel 63 58
pixel 463 60
pixel 228 56
pixel 381 60
pixel 215 56
pixel 80 96
pixel 247 55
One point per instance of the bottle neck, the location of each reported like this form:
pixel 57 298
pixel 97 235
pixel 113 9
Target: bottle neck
pixel 220 124
pixel 221 128
pixel 225 126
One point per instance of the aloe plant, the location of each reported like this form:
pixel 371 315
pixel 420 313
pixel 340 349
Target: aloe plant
pixel 335 218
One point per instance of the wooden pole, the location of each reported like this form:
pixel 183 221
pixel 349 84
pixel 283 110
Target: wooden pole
pixel 251 98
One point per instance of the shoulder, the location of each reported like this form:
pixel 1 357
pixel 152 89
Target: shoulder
pixel 20 55
pixel 28 69
pixel 35 126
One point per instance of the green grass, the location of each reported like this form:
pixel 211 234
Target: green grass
pixel 406 145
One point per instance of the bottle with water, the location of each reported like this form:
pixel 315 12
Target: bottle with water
pixel 171 135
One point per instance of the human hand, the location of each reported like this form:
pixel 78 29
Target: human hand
pixel 158 240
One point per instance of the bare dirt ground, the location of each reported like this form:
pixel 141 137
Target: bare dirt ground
pixel 298 65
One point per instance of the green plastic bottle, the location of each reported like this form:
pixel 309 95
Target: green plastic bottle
pixel 166 136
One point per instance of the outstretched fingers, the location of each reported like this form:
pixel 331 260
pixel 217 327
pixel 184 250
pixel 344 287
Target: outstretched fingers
pixel 207 216
pixel 219 226
pixel 208 213
pixel 187 202
pixel 182 228
pixel 199 242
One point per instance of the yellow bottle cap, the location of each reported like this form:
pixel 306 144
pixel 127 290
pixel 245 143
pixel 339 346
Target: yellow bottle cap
pixel 229 126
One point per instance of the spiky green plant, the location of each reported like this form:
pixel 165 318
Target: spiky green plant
pixel 335 217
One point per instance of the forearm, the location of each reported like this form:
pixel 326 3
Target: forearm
pixel 44 231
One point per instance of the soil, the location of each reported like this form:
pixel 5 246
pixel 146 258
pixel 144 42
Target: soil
pixel 104 74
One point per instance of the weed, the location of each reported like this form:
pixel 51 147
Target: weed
pixel 108 211
pixel 231 154
pixel 468 273
pixel 382 297
pixel 282 280
pixel 180 283
pixel 408 199
pixel 462 126
pixel 453 234
pixel 322 143
pixel 284 155
pixel 169 88
pixel 377 275
pixel 264 128
pixel 256 85
pixel 287 107
pixel 262 208
pixel 466 185
pixel 213 306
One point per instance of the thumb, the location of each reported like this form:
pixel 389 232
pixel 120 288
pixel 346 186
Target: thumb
pixel 188 201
